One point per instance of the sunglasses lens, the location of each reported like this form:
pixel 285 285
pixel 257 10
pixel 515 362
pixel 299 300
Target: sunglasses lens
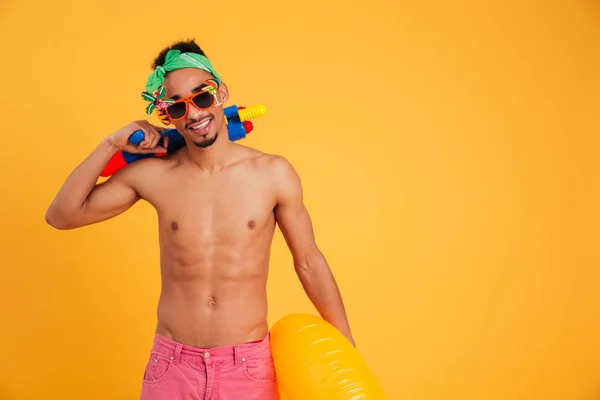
pixel 176 110
pixel 203 100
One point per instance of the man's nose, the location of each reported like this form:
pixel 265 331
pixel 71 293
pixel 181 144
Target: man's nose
pixel 193 113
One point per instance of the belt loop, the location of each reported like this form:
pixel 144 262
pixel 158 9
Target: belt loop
pixel 178 352
pixel 237 354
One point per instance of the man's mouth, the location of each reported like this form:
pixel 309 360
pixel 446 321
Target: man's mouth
pixel 201 126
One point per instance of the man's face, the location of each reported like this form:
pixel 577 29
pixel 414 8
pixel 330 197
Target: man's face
pixel 201 127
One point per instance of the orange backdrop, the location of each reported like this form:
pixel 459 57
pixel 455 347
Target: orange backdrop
pixel 448 154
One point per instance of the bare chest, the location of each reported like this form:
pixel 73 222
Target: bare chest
pixel 220 209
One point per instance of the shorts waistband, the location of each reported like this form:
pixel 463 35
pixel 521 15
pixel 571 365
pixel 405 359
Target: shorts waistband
pixel 237 353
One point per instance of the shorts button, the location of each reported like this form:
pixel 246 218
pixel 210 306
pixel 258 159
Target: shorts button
pixel 206 355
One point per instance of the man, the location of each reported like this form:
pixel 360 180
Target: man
pixel 218 203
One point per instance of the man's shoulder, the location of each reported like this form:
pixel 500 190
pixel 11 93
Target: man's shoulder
pixel 280 172
pixel 260 158
pixel 275 169
pixel 273 163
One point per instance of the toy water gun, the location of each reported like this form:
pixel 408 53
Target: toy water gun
pixel 238 126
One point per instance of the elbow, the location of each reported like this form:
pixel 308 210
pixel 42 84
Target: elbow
pixel 56 221
pixel 302 268
pixel 53 220
pixel 312 264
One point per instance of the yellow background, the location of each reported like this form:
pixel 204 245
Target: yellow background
pixel 448 155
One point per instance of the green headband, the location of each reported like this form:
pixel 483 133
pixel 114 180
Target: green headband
pixel 175 59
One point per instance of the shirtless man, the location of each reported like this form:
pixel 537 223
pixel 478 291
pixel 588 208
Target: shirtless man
pixel 218 203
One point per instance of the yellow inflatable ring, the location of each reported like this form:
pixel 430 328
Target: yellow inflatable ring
pixel 314 361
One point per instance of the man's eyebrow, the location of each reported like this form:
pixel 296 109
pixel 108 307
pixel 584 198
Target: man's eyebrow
pixel 194 90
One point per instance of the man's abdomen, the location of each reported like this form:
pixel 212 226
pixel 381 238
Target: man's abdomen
pixel 211 312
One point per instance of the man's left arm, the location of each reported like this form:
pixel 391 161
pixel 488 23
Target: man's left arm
pixel 309 263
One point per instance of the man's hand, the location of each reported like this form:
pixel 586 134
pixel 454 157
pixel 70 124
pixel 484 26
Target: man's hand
pixel 152 135
pixel 310 264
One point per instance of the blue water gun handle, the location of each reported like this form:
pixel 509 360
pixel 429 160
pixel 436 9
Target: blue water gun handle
pixel 137 137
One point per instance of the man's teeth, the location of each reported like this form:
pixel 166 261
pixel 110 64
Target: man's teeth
pixel 202 125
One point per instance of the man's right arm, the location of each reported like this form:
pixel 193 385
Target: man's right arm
pixel 82 201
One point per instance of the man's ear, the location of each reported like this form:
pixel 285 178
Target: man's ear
pixel 223 93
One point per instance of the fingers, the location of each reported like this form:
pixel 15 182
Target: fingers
pixel 158 149
pixel 151 136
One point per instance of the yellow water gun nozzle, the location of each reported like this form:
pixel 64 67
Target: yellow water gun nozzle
pixel 252 112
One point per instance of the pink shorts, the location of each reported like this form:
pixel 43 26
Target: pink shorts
pixel 180 372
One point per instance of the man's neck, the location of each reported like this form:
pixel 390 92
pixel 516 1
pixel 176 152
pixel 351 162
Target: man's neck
pixel 212 158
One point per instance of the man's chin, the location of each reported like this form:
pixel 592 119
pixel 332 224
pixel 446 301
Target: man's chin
pixel 206 142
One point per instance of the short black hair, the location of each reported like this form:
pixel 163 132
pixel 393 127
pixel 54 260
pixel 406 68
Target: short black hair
pixel 185 46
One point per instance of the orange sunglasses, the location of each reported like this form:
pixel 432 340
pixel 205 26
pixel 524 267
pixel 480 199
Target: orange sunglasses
pixel 202 100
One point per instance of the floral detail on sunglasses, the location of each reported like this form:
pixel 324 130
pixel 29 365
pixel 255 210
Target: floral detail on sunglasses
pixel 157 100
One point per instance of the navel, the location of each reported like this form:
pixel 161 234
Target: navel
pixel 174 226
pixel 212 302
pixel 251 224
